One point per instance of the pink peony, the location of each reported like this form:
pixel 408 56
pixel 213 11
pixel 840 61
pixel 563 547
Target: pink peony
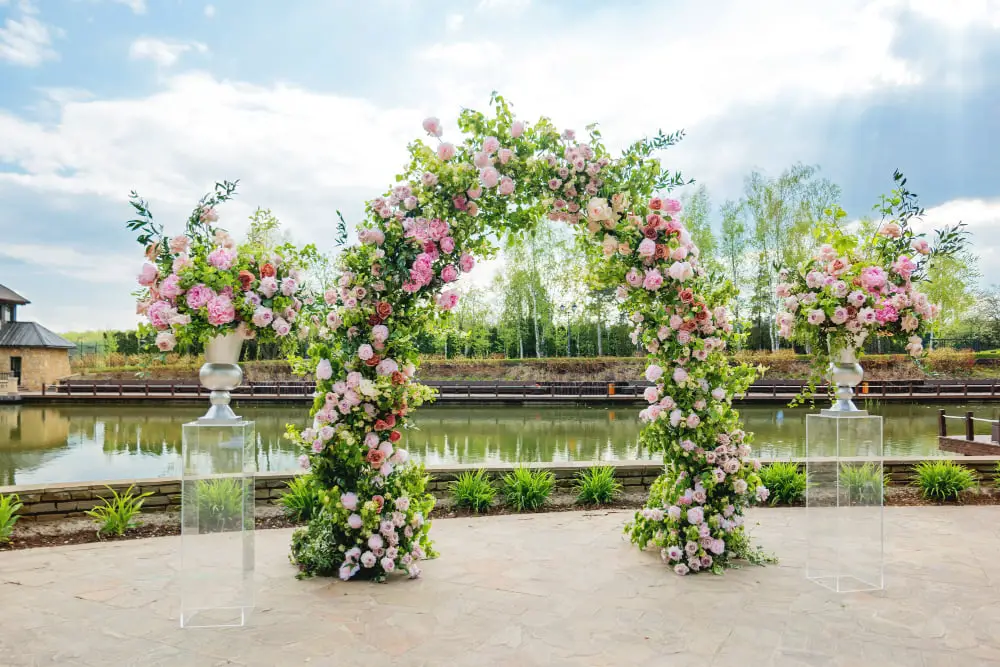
pixel 681 271
pixel 446 151
pixel 447 245
pixel 324 370
pixel 505 155
pixel 475 192
pixel 873 278
pixel 506 186
pixel 654 372
pixel 349 501
pixel 199 296
pixel 222 258
pixel 490 145
pixel 904 266
pixel 429 179
pixel 432 126
pixel 466 262
pixel 449 273
pixel 680 375
pixel 517 129
pixel 633 277
pixel 489 177
pixel 653 280
pixel 447 300
pixel 647 248
pixel 170 287
pixel 281 327
pixel 148 275
pixel 220 310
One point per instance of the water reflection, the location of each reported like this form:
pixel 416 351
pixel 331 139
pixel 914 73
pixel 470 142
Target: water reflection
pixel 75 443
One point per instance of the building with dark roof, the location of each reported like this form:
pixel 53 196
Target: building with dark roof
pixel 30 354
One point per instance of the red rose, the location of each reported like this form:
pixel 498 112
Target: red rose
pixel 650 232
pixel 246 280
pixel 373 361
pixel 398 378
pixel 653 220
pixel 376 457
pixel 701 315
pixel 380 425
pixel 391 420
pixel 689 325
pixel 686 295
pixel 383 309
pixel 394 436
pixel 267 270
pixel 374 319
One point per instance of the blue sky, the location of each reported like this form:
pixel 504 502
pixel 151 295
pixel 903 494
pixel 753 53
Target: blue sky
pixel 311 103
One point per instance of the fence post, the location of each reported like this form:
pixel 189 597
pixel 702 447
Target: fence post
pixel 942 424
pixel 173 388
pixel 119 388
pixel 147 387
pixel 967 391
pixel 970 431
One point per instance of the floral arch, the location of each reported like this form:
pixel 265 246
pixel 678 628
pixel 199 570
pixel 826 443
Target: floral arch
pixel 503 177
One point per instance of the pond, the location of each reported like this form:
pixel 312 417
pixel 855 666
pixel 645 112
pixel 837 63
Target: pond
pixel 69 443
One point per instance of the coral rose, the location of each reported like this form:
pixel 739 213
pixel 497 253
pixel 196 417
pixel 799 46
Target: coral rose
pixel 246 280
pixel 376 457
pixel 383 309
pixel 267 270
pixel 394 436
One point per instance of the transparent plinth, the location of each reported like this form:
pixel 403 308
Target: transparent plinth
pixel 217 524
pixel 844 499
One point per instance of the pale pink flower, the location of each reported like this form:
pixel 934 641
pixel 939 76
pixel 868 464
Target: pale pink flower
pixel 165 341
pixel 505 155
pixel 516 129
pixel 179 244
pixel 680 375
pixel 170 288
pixel 222 258
pixel 365 352
pixel 432 126
pixel 653 280
pixel 816 317
pixel 281 327
pixel 891 230
pixel 840 315
pixel 654 372
pixel 909 322
pixel 633 277
pixel 148 275
pixel 447 300
pixel 268 286
pixel 647 248
pixel 429 179
pixel 262 316
pixel 446 151
pixel 324 370
pixel 489 177
pixel 466 262
pixel 506 186
pixel 921 246
pixel 693 420
pixel 651 394
pixel 449 273
pixel 354 521
pixel 681 271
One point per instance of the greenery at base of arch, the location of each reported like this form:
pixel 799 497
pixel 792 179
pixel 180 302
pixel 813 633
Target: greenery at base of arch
pixel 444 213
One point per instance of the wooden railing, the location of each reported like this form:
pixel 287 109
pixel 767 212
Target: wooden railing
pixel 970 425
pixel 776 389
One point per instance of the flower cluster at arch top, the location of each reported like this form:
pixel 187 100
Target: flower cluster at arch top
pixel 503 177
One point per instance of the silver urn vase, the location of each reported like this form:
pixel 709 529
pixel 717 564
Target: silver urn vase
pixel 845 374
pixel 220 374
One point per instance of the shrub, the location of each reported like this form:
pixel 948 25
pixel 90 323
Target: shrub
pixel 952 362
pixel 943 480
pixel 785 481
pixel 473 490
pixel 996 475
pixel 9 506
pixel 117 514
pixel 597 486
pixel 301 501
pixel 220 504
pixel 862 482
pixel 526 489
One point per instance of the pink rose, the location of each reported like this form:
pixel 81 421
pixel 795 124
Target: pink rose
pixel 904 266
pixel 171 288
pixel 517 129
pixel 432 126
pixel 262 316
pixel 365 352
pixel 181 262
pixel 816 317
pixel 165 341
pixel 891 230
pixel 505 155
pixel 199 296
pixel 680 375
pixel 921 246
pixel 873 278
pixel 482 160
pixel 489 177
pixel 653 280
pixel 220 310
pixel 148 275
pixel 654 372
pixel 840 315
pixel 475 192
pixel 447 245
pixel 446 151
pixel 633 277
pixel 647 248
pixel 681 271
pixel 506 186
pixel 429 179
pixel 268 287
pixel 449 273
pixel 490 145
pixel 281 327
pixel 671 206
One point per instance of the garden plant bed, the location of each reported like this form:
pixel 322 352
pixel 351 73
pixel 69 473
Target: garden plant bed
pixel 29 535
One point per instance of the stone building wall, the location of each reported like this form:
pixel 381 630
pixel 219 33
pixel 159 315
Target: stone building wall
pixel 38 365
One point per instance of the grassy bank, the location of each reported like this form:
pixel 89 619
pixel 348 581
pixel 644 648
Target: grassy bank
pixel 944 363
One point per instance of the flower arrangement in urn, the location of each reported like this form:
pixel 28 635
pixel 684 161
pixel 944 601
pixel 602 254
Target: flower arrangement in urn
pixel 863 284
pixel 201 285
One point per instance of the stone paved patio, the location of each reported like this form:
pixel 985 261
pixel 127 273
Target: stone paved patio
pixel 549 589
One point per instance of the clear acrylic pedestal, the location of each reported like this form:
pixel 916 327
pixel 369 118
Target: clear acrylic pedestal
pixel 217 524
pixel 844 499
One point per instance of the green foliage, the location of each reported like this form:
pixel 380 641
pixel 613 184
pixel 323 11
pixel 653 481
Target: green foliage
pixel 597 486
pixel 117 514
pixel 473 490
pixel 220 504
pixel 943 480
pixel 785 481
pixel 9 506
pixel 996 475
pixel 863 483
pixel 301 501
pixel 527 489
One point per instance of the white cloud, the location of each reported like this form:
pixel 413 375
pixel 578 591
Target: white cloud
pixel 137 6
pixel 27 41
pixel 462 55
pixel 983 219
pixel 92 266
pixel 453 22
pixel 507 6
pixel 958 14
pixel 209 11
pixel 164 53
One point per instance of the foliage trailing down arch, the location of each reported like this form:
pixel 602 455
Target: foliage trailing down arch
pixel 452 198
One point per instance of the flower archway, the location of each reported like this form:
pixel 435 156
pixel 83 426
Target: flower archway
pixel 503 177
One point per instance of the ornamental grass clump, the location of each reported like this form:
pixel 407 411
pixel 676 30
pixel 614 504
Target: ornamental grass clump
pixel 473 490
pixel 864 483
pixel 220 504
pixel 525 489
pixel 943 480
pixel 118 513
pixel 9 507
pixel 301 501
pixel 597 486
pixel 785 482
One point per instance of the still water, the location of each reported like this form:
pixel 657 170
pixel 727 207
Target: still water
pixel 41 444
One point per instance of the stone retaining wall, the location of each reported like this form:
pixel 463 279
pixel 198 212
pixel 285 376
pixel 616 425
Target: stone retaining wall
pixel 56 501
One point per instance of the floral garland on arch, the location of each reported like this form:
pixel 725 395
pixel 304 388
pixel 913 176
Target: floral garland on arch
pixel 202 284
pixel 503 177
pixel 864 283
